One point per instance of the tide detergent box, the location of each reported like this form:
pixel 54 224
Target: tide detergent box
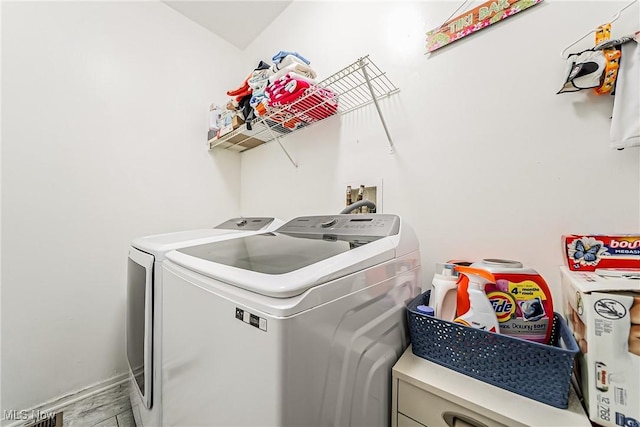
pixel 603 314
pixel 588 252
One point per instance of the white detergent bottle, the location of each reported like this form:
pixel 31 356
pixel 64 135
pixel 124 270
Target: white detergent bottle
pixel 443 292
pixel 473 306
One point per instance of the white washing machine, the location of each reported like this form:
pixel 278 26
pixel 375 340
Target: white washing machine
pixel 298 327
pixel 144 306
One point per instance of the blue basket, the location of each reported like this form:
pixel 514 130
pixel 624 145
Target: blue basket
pixel 537 371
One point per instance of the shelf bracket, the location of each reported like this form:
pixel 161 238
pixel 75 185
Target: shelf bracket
pixel 363 67
pixel 273 135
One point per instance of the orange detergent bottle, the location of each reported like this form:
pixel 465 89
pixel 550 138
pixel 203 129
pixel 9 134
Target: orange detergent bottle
pixel 521 299
pixel 474 309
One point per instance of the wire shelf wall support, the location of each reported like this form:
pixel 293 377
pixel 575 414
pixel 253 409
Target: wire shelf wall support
pixel 363 67
pixel 282 146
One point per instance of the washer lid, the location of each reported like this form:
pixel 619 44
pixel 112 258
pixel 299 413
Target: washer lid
pixel 283 265
pixel 159 244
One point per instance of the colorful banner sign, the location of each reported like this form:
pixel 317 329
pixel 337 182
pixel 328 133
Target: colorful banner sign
pixel 475 20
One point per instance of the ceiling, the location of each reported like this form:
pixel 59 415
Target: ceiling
pixel 238 22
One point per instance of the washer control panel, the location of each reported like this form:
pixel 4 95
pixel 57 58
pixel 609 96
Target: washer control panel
pixel 374 225
pixel 248 223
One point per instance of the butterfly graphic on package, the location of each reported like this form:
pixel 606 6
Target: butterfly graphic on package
pixel 586 251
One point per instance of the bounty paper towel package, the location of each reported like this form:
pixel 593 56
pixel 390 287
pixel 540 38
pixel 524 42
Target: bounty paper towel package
pixel 602 309
pixel 584 252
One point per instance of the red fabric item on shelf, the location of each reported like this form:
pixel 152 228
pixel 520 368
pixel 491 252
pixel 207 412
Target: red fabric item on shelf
pixel 285 90
pixel 291 98
pixel 241 91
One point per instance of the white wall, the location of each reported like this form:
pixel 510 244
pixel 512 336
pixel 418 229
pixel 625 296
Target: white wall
pixel 104 108
pixel 104 139
pixel 489 161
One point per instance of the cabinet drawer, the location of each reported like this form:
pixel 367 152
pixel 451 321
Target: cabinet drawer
pixel 434 411
pixel 407 422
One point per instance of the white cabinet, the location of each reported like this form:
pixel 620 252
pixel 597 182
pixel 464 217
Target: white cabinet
pixel 427 394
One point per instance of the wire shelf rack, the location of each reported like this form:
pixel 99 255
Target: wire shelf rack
pixel 359 84
pixel 355 86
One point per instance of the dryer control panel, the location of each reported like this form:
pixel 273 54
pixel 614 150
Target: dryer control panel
pixel 371 225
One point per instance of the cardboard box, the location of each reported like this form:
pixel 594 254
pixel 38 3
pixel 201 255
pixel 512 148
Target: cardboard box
pixel 236 122
pixel 224 130
pixel 588 252
pixel 240 142
pixel 604 316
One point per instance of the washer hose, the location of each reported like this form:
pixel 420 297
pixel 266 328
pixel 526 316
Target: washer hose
pixel 359 204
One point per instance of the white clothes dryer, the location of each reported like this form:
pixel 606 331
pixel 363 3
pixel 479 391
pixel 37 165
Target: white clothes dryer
pixel 298 327
pixel 144 306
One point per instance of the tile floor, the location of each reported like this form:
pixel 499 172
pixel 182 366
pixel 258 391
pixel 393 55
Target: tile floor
pixel 110 408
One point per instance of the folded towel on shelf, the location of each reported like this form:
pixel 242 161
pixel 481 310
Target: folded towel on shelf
pixel 286 61
pixel 285 90
pixel 296 67
pixel 259 79
pixel 301 99
pixel 278 57
pixel 258 84
pixel 253 80
pixel 242 90
pixel 294 75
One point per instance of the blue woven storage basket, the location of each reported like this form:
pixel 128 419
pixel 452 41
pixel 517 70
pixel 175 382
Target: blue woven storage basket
pixel 537 371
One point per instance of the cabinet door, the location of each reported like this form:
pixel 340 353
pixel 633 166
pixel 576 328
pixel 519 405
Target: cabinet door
pixel 434 411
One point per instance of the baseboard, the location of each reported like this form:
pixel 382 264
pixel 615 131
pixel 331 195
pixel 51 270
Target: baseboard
pixel 70 398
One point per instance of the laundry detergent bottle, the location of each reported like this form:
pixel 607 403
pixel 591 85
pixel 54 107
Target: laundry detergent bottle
pixel 474 308
pixel 443 292
pixel 521 299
